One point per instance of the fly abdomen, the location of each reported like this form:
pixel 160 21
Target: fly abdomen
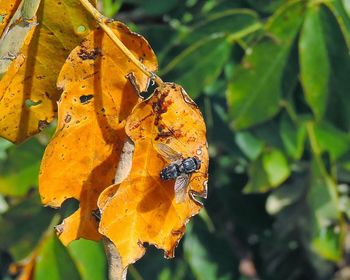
pixel 170 172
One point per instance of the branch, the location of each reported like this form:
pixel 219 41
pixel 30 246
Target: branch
pixel 115 267
pixel 101 20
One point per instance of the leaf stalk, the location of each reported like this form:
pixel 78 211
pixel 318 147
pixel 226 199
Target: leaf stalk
pixel 102 20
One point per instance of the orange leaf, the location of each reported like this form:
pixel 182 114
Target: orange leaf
pixel 28 92
pixel 143 207
pixel 82 157
pixel 7 9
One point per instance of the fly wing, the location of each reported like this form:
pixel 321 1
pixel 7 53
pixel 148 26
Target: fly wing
pixel 180 187
pixel 168 153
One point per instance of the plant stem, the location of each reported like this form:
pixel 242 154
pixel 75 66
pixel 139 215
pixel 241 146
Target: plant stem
pixel 115 267
pixel 101 20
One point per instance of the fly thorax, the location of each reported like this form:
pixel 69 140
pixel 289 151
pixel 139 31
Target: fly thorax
pixel 189 165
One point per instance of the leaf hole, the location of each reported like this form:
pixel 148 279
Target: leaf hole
pixel 2 18
pixel 149 92
pixel 81 29
pixel 85 98
pixel 30 103
pixel 69 206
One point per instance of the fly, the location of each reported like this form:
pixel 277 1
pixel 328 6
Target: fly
pixel 180 169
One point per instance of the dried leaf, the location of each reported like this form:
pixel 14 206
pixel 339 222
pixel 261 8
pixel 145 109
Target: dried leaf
pixel 19 28
pixel 143 207
pixel 7 9
pixel 82 157
pixel 28 92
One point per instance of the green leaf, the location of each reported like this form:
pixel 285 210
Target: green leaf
pixel 332 140
pixel 267 172
pixel 89 259
pixel 22 226
pixel 234 22
pixel 4 145
pixel 19 172
pixel 268 6
pixel 276 167
pixel 346 4
pixel 111 7
pixel 323 202
pixel 54 262
pixel 322 199
pixel 340 10
pixel 293 137
pixel 284 196
pixel 255 90
pixel 258 180
pixel 314 63
pixel 200 256
pixel 200 64
pixel 338 52
pixel 249 144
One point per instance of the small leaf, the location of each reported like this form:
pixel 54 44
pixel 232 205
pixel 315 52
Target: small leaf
pixel 54 262
pixel 111 7
pixel 276 167
pixel 89 258
pixel 314 63
pixel 19 172
pixel 293 137
pixel 332 140
pixel 258 180
pixel 249 144
pixel 284 196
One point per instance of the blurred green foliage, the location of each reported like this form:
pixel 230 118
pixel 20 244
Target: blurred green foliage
pixel 272 80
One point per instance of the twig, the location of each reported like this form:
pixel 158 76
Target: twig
pixel 115 267
pixel 101 20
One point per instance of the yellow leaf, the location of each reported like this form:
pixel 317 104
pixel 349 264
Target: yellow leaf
pixel 143 207
pixel 7 9
pixel 81 159
pixel 28 92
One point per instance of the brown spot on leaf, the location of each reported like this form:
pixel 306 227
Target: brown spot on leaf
pixel 68 118
pixel 85 54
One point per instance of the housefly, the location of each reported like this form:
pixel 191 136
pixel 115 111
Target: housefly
pixel 180 169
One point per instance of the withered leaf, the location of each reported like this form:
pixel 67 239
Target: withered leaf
pixel 7 9
pixel 81 159
pixel 142 209
pixel 28 92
